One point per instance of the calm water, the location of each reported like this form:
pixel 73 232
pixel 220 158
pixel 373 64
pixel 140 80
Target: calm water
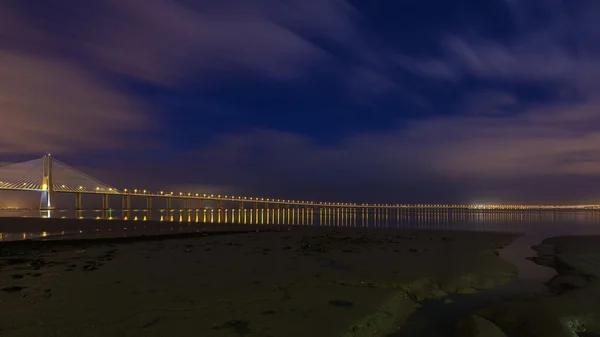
pixel 536 224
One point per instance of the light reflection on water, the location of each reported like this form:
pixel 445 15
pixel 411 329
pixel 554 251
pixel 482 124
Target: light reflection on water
pixel 542 223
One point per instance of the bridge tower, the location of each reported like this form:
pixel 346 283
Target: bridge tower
pixel 47 184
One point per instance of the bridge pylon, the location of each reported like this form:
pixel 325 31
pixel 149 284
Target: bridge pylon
pixel 46 201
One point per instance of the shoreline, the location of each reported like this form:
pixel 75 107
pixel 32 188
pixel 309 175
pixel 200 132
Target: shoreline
pixel 377 278
pixel 572 308
pixel 322 281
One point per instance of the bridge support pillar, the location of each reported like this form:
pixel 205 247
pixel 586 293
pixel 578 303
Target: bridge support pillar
pixel 186 203
pixel 256 205
pixel 78 201
pixel 220 204
pixel 169 203
pixel 202 206
pixel 241 205
pixel 46 200
pixel 148 203
pixel 126 202
pixel 105 202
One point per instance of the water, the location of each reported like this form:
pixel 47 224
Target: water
pixel 537 225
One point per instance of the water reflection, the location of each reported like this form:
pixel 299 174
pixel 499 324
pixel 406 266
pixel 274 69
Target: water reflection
pixel 561 222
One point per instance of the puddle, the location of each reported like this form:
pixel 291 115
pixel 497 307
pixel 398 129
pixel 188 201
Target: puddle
pixel 436 318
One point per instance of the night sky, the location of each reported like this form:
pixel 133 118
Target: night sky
pixel 399 101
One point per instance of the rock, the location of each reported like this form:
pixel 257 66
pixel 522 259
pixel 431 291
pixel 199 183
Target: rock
pixel 341 303
pixel 544 249
pixel 477 326
pixel 566 282
pixel 537 318
pixel 12 289
pixel 268 312
pixel 544 260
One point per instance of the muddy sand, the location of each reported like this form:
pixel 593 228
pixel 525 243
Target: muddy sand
pixel 573 308
pixel 288 281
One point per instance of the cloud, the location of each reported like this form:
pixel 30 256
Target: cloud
pixel 170 42
pixel 49 106
pixel 65 72
pixel 477 154
pixel 550 42
pixel 489 103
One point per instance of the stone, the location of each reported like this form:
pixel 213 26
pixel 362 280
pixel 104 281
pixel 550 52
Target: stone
pixel 12 289
pixel 477 326
pixel 341 303
pixel 566 282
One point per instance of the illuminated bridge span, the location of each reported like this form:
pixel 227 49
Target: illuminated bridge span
pixel 49 176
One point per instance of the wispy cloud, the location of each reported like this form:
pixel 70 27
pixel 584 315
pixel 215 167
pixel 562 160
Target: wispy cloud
pixel 62 70
pixel 475 150
pixel 49 106
pixel 553 41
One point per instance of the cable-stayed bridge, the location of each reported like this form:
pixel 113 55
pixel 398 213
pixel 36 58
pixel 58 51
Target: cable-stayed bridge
pixel 49 176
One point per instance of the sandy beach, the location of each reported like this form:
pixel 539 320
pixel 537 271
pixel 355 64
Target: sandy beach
pixel 287 281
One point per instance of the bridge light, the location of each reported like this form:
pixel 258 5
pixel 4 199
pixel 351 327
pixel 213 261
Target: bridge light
pixel 125 190
pixel 45 187
pixel 80 187
pixel 144 191
pixel 97 188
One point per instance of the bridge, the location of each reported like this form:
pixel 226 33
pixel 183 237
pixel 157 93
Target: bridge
pixel 49 176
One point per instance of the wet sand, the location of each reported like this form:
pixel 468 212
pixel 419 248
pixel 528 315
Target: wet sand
pixel 287 281
pixel 573 308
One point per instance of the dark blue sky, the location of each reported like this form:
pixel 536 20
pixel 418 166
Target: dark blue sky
pixel 359 100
